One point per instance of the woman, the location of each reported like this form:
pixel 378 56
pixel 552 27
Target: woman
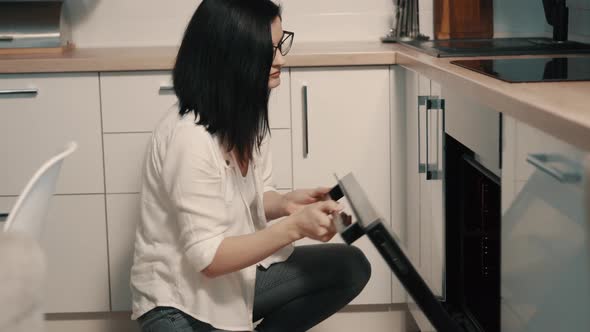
pixel 205 259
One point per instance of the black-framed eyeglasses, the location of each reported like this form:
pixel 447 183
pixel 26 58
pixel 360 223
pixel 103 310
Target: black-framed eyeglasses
pixel 284 46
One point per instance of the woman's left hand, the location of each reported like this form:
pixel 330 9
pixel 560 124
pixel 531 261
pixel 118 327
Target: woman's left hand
pixel 297 199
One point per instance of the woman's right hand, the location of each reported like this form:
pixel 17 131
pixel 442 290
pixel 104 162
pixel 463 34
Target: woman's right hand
pixel 315 220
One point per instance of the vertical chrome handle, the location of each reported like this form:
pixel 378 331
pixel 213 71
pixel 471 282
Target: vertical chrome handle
pixel 542 160
pixel 305 123
pixel 427 130
pixel 421 102
pixel 8 92
pixel 439 105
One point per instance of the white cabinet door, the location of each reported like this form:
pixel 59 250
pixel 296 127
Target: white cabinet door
pixel 431 184
pixel 123 217
pixel 545 273
pixel 425 227
pixel 347 131
pixel 399 145
pixel 75 243
pixel 34 124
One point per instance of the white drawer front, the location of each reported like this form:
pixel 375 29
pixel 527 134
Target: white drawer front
pixel 281 158
pixel 123 217
pixel 124 158
pixel 134 102
pixel 279 103
pixel 33 127
pixel 75 243
pixel 125 153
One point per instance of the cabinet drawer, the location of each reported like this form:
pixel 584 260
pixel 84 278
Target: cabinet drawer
pixel 124 157
pixel 74 241
pixel 281 158
pixel 123 217
pixel 34 126
pixel 530 140
pixel 135 101
pixel 279 103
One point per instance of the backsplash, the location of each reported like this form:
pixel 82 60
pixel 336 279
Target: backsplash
pixel 104 23
pixel 579 20
pixel 527 18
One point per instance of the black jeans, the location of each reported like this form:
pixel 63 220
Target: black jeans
pixel 314 283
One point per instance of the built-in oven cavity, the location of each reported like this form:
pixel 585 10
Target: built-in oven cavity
pixel 473 222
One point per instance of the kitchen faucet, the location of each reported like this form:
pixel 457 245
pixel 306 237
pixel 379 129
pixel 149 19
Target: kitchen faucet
pixel 557 14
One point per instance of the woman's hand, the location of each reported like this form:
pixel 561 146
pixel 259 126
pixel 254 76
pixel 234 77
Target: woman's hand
pixel 315 221
pixel 297 199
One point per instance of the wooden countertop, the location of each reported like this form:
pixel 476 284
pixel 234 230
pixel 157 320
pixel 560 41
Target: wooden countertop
pixel 560 109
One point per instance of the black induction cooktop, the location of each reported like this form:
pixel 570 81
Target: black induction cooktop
pixel 443 48
pixel 521 70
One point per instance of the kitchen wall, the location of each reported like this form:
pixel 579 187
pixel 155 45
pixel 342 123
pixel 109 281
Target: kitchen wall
pixel 103 23
pixel 527 18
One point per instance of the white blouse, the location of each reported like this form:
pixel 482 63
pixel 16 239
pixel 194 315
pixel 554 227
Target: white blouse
pixel 191 199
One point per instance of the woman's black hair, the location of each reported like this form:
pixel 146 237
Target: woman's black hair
pixel 222 70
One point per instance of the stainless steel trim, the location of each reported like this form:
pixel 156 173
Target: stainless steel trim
pixel 439 105
pixel 9 92
pixel 542 160
pixel 482 169
pixel 428 172
pixel 305 123
pixel 31 24
pixel 166 88
pixel 422 100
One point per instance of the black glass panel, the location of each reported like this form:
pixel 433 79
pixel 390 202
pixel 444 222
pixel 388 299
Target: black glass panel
pixel 532 69
pixel 497 46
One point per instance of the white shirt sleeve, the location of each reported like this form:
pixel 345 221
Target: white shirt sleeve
pixel 195 186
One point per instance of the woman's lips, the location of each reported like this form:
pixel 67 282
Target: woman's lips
pixel 276 75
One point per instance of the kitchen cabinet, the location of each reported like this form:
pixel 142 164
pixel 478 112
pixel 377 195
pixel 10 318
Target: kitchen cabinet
pixel 39 113
pixel 545 233
pixel 340 124
pixel 74 241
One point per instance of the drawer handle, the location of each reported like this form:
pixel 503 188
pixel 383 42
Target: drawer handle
pixel 6 38
pixel 166 88
pixel 542 160
pixel 305 122
pixel 11 92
